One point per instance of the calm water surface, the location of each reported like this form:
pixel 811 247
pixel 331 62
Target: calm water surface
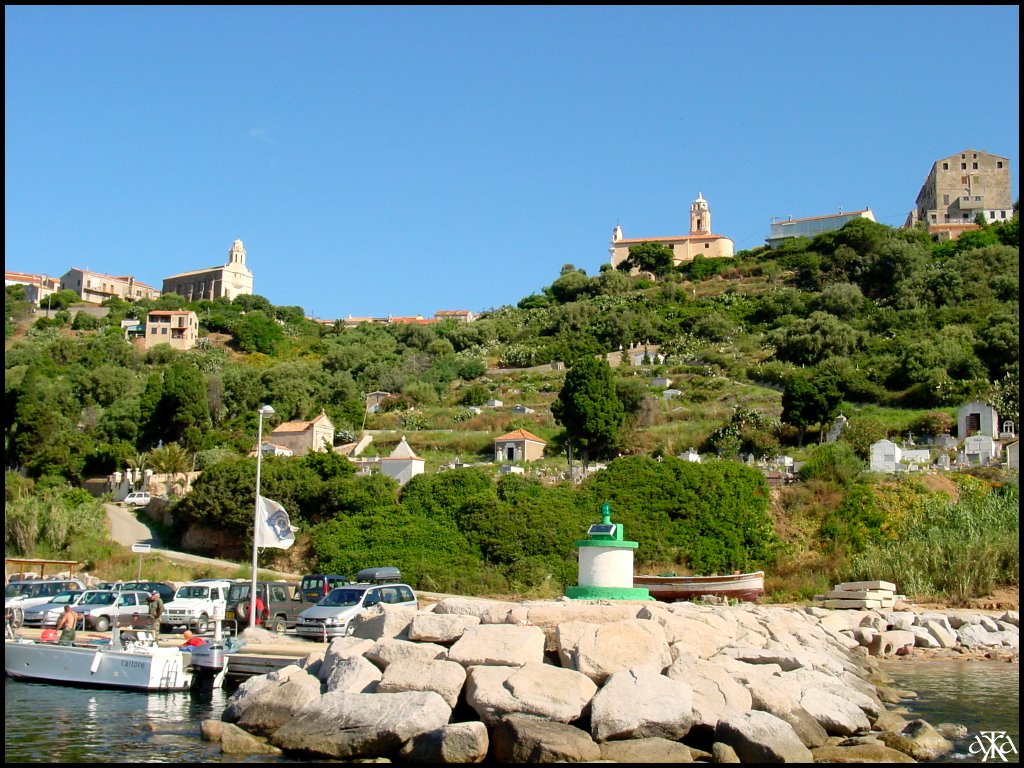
pixel 57 724
pixel 981 695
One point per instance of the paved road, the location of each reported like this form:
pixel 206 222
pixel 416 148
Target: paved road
pixel 126 529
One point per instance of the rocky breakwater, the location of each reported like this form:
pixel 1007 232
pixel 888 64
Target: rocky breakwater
pixel 470 680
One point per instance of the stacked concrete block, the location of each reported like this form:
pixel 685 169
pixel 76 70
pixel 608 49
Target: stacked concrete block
pixel 860 595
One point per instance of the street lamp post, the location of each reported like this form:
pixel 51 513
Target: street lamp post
pixel 265 410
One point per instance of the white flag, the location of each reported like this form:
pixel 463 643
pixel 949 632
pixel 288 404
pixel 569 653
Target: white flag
pixel 274 528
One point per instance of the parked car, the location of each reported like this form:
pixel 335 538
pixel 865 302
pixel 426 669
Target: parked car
pixel 46 614
pixel 101 609
pixel 137 499
pixel 196 604
pixel 162 588
pixel 315 586
pixel 332 615
pixel 34 592
pixel 282 604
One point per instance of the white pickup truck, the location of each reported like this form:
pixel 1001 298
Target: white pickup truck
pixel 196 605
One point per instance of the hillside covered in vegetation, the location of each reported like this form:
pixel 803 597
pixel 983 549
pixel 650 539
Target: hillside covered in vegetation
pixel 765 349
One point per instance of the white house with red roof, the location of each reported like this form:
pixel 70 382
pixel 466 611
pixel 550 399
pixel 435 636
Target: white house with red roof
pixel 37 287
pixel 519 445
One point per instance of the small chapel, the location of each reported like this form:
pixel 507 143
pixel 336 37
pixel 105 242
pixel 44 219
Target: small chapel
pixel 701 240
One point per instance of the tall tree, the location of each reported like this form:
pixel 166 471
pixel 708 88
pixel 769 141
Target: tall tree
pixel 589 408
pixel 808 400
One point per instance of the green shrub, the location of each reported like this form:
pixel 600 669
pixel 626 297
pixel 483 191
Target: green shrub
pixel 834 462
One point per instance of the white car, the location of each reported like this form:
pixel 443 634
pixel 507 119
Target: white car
pixel 101 609
pixel 196 605
pixel 137 499
pixel 37 591
pixel 331 615
pixel 46 614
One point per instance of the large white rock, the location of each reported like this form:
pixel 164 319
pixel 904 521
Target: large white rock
pixel 535 689
pixel 641 703
pixel 600 650
pixel 498 644
pixel 758 737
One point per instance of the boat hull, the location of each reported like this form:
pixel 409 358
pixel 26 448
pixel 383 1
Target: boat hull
pixel 740 586
pixel 140 669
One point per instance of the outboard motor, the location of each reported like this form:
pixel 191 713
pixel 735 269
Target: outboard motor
pixel 208 662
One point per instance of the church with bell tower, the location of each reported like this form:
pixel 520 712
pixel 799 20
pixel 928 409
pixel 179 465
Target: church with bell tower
pixel 228 281
pixel 701 240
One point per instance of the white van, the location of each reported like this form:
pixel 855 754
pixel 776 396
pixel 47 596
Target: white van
pixel 196 605
pixel 137 499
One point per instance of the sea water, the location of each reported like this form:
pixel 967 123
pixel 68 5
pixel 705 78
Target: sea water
pixel 983 695
pixel 58 724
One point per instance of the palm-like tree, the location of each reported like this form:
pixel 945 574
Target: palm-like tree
pixel 171 459
pixel 138 464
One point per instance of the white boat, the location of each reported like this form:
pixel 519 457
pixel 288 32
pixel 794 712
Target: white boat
pixel 128 661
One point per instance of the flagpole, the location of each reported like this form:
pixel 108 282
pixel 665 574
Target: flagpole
pixel 265 410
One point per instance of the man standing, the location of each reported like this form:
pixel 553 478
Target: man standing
pixel 156 610
pixel 67 624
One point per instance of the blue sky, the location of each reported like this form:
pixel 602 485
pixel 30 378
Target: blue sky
pixel 402 160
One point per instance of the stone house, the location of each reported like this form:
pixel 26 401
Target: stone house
pixel 519 445
pixel 960 187
pixel 301 437
pixel 374 399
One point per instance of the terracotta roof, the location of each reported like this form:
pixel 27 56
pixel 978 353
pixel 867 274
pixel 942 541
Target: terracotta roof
pixel 521 434
pixel 292 426
pixel 672 239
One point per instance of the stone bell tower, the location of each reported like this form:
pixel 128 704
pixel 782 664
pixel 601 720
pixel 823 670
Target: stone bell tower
pixel 700 216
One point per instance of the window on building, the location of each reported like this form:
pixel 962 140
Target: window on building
pixel 707 245
pixel 947 217
pixel 963 166
pixel 974 166
pixel 934 218
pixel 999 163
pixel 1002 214
pixel 945 166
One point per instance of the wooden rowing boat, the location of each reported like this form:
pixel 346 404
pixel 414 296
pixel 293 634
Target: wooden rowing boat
pixel 670 588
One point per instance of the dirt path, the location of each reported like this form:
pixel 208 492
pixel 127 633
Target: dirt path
pixel 127 530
